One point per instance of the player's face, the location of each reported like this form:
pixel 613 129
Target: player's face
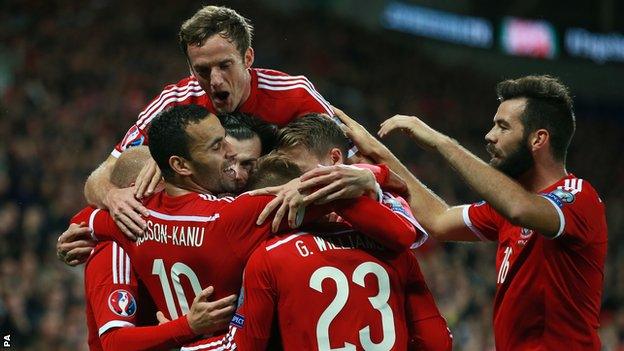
pixel 222 72
pixel 208 156
pixel 243 158
pixel 507 141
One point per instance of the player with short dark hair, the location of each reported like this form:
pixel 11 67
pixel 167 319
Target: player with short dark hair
pixel 205 239
pixel 549 224
pixel 120 313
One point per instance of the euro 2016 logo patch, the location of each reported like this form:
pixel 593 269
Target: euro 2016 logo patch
pixel 526 233
pixel 133 138
pixel 122 303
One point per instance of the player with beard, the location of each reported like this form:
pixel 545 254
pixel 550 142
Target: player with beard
pixel 550 225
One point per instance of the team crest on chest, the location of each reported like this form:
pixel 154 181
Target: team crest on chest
pixel 122 303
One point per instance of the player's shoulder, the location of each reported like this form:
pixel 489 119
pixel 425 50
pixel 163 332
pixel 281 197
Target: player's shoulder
pixel 99 268
pixel 185 91
pixel 187 82
pixel 274 83
pixel 572 189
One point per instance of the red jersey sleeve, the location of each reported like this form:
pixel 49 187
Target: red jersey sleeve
pixel 388 223
pixel 251 326
pixel 482 220
pixel 111 288
pixel 254 317
pixel 102 225
pixel 581 211
pixel 187 91
pixel 427 328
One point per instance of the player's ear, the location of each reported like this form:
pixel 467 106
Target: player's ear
pixel 249 57
pixel 336 156
pixel 539 139
pixel 180 165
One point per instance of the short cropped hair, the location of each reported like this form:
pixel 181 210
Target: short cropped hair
pixel 129 165
pixel 549 106
pixel 243 126
pixel 272 170
pixel 211 20
pixel 167 134
pixel 316 132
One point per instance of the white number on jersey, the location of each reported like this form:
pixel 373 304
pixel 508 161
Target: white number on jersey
pixel 504 268
pixel 177 270
pixel 379 302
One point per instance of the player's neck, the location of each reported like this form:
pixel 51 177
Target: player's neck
pixel 540 176
pixel 183 189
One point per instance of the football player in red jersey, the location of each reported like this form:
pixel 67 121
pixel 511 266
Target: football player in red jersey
pixel 189 231
pixel 217 44
pixel 119 311
pixel 550 225
pixel 365 296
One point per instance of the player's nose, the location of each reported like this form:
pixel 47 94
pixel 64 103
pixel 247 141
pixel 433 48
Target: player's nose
pixel 490 137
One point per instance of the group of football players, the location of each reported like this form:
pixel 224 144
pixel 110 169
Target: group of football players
pixel 243 211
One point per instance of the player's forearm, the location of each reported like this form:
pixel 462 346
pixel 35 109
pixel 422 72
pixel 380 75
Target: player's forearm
pixel 426 206
pixel 431 334
pixel 508 197
pixel 98 185
pixel 172 334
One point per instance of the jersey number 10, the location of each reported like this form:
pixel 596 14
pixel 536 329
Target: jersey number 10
pixel 379 302
pixel 177 269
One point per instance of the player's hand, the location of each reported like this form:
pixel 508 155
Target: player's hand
pixel 161 318
pixel 75 244
pixel 288 201
pixel 148 179
pixel 206 316
pixel 126 210
pixel 337 182
pixel 366 143
pixel 424 135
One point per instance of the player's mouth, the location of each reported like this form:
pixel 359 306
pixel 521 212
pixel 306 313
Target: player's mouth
pixel 230 172
pixel 220 97
pixel 492 151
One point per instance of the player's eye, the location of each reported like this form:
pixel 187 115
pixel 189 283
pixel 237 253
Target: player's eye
pixel 216 146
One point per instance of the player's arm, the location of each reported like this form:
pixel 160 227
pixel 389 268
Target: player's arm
pixel 250 328
pixel 428 330
pixel 439 219
pixel 101 225
pixel 505 195
pixel 102 193
pixel 204 317
pixel 394 228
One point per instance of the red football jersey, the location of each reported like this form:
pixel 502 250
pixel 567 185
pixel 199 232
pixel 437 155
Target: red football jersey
pixel 197 240
pixel 111 292
pixel 548 290
pixel 275 97
pixel 334 290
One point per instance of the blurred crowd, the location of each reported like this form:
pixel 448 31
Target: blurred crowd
pixel 74 75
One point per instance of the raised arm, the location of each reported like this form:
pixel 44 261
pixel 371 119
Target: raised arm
pixel 439 219
pixel 510 199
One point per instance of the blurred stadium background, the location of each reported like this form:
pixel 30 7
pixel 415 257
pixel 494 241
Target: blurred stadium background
pixel 74 75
